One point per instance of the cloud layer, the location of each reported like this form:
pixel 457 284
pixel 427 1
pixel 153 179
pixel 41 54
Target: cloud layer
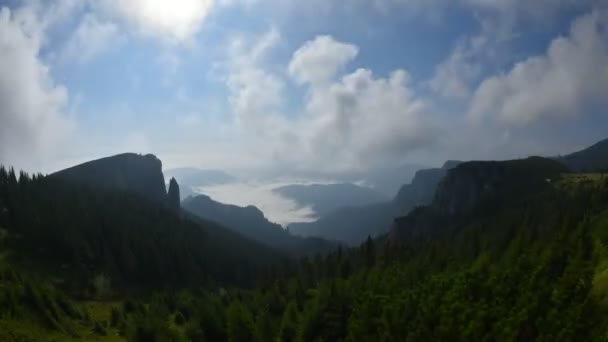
pixel 32 119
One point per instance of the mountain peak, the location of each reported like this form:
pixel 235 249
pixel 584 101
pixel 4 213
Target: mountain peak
pixel 133 172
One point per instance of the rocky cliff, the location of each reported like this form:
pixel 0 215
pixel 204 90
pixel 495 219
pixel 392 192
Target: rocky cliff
pixel 132 172
pixel 469 184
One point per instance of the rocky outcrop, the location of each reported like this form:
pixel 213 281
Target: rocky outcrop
pixel 173 196
pixel 131 172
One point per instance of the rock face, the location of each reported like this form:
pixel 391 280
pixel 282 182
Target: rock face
pixel 173 196
pixel 127 172
pixel 422 189
pixel 469 184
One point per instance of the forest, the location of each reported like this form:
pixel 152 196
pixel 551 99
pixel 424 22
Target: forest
pixel 80 263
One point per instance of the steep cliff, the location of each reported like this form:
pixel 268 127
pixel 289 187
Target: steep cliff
pixel 131 172
pixel 470 184
pixel 477 188
pixel 173 196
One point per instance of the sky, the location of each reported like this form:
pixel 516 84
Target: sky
pixel 295 86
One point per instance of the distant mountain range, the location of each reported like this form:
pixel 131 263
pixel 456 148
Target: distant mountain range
pixel 199 177
pixel 190 178
pixel 326 198
pixel 250 222
pixel 353 224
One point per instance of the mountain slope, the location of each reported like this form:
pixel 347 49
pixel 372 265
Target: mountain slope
pixel 126 172
pixel 79 232
pixel 251 223
pixel 591 159
pixel 325 198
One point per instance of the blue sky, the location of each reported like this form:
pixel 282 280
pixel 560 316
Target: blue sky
pixel 300 85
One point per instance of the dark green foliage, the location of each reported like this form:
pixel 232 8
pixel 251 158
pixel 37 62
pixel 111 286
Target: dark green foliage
pixel 179 318
pixel 99 240
pixel 239 323
pixel 530 269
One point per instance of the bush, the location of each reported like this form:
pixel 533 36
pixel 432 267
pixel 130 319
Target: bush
pixel 99 329
pixel 179 318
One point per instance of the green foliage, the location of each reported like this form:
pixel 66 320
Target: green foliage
pixel 99 241
pixel 239 323
pixel 526 270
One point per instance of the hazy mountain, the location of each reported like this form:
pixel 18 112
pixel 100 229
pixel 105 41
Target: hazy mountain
pixel 132 172
pixel 353 224
pixel 326 198
pixel 250 222
pixel 591 159
pixel 199 177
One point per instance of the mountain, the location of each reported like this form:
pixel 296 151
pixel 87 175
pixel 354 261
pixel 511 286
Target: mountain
pixel 471 183
pixel 130 172
pixel 591 159
pixel 353 224
pixel 325 198
pixel 250 222
pixel 79 232
pixel 480 186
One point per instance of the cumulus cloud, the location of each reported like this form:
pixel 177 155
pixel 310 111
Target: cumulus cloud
pixel 31 118
pixel 358 119
pixel 365 119
pixel 454 75
pixel 318 60
pixel 91 37
pixel 254 92
pixel 176 20
pixel 560 83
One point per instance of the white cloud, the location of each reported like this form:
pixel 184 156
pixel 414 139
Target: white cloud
pixel 454 75
pixel 559 84
pixel 177 20
pixel 318 60
pixel 31 118
pixel 357 120
pixel 364 120
pixel 90 38
pixel 254 92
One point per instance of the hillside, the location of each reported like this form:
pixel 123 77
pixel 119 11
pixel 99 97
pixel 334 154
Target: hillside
pixel 326 198
pixel 591 159
pixel 250 222
pixel 522 258
pixel 79 232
